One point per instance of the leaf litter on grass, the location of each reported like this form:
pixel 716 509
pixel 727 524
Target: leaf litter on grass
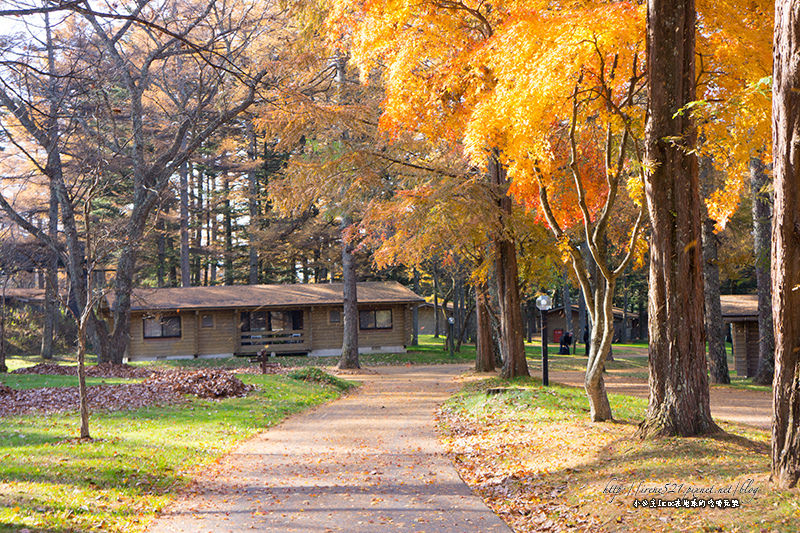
pixel 538 462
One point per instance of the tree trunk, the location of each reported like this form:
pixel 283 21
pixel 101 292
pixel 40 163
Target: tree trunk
pixel 623 337
pixel 762 218
pixel 436 328
pixel 786 245
pixel 50 282
pixel 568 325
pixel 485 347
pixel 415 313
pixel 198 219
pixel 679 397
pixel 82 393
pixel 3 366
pixel 212 232
pixel 600 338
pixel 349 358
pixel 183 177
pixel 228 222
pixel 161 251
pixel 254 211
pixel 715 327
pixel 642 319
pixel 507 279
pixel 581 334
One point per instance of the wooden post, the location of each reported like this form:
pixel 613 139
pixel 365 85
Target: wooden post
pixel 236 333
pixel 196 333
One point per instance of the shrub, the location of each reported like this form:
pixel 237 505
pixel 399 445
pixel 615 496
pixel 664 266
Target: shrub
pixel 317 375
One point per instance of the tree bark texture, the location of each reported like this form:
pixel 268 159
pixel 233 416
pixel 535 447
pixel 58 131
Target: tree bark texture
pixel 507 278
pixel 715 327
pixel 786 244
pixel 349 358
pixel 679 396
pixel 762 226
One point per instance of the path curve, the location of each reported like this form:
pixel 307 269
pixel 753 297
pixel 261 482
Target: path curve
pixel 740 406
pixel 365 463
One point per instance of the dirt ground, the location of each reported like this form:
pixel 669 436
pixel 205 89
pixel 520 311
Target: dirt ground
pixel 368 462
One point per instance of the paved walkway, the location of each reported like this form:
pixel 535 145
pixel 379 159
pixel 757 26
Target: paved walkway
pixel 733 405
pixel 370 462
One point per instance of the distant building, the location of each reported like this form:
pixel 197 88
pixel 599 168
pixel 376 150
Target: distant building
pixel 741 312
pixel 230 320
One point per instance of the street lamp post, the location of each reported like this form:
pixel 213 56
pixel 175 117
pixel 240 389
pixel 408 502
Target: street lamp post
pixel 544 303
pixel 450 344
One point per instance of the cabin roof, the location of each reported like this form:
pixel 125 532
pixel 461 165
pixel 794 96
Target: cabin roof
pixel 739 307
pixel 264 296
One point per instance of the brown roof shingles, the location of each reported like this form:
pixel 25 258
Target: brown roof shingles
pixel 257 296
pixel 739 306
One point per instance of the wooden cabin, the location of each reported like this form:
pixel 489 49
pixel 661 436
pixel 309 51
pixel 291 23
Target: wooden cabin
pixel 741 312
pixel 221 321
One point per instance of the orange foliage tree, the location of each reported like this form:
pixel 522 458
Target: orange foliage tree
pixel 550 97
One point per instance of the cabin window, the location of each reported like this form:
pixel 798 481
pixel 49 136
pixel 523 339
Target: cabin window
pixel 271 320
pixel 335 316
pixel 285 320
pixel 254 320
pixel 207 321
pixel 162 326
pixel 375 319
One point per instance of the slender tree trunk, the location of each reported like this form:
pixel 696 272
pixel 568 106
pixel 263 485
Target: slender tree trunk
pixel 485 347
pixel 436 329
pixel 715 327
pixel 161 251
pixel 624 331
pixel 198 218
pixel 762 222
pixel 415 313
pixel 212 232
pixel 3 366
pixel 82 392
pixel 349 358
pixel 507 278
pixel 642 319
pixel 579 335
pixel 254 211
pixel 228 222
pixel 51 282
pixel 679 397
pixel 786 244
pixel 183 177
pixel 568 326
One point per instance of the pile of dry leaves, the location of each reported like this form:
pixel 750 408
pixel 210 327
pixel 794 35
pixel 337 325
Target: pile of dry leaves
pixel 160 388
pixel 61 399
pixel 209 383
pixel 102 370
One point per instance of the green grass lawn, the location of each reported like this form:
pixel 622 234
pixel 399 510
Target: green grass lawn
pixel 140 458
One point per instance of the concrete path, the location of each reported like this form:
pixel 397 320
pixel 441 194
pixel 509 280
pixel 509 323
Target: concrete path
pixel 370 462
pixel 733 405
